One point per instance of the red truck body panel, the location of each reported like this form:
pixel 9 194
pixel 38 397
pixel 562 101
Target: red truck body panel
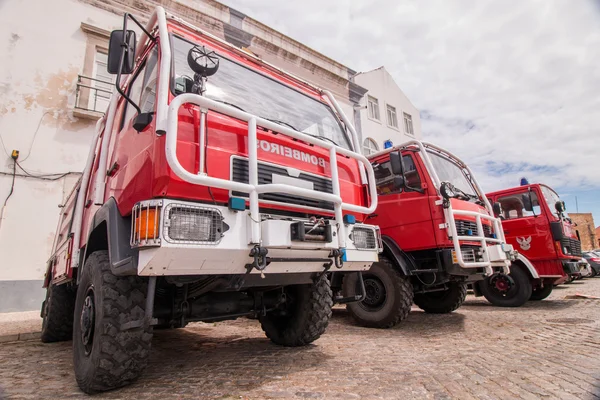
pixel 532 236
pixel 419 227
pixel 139 169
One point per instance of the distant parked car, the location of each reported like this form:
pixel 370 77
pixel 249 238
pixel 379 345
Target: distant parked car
pixel 593 258
pixel 585 269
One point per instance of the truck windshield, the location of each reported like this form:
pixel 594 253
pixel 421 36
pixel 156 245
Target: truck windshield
pixel 551 198
pixel 448 171
pixel 262 96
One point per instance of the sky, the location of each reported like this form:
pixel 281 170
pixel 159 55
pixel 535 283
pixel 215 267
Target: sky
pixel 511 87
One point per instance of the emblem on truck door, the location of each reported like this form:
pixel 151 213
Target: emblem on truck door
pixel 525 243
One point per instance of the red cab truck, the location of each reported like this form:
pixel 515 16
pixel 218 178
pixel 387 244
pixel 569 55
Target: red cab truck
pixel 536 224
pixel 218 186
pixel 439 233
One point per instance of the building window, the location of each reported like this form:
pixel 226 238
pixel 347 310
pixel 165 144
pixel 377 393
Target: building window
pixel 101 84
pixel 370 146
pixel 392 118
pixel 408 125
pixel 373 108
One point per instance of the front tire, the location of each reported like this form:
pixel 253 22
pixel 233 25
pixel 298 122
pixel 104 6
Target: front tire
pixel 442 302
pixel 503 294
pixel 105 356
pixel 57 313
pixel 540 293
pixel 306 315
pixel 389 296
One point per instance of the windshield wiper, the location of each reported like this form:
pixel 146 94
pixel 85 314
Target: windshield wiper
pixel 294 128
pixel 230 104
pixel 277 121
pixel 325 138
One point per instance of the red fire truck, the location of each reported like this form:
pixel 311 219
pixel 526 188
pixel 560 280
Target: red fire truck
pixel 218 186
pixel 536 224
pixel 439 232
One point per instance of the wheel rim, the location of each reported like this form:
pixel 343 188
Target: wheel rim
pixel 88 320
pixel 375 294
pixel 501 284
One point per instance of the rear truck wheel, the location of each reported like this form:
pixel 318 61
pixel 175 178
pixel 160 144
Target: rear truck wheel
pixel 540 293
pixel 444 301
pixel 304 317
pixel 57 313
pixel 105 355
pixel 500 291
pixel 389 296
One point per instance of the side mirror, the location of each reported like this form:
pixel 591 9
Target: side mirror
pixel 560 206
pixel 497 207
pixel 399 182
pixel 527 204
pixel 396 163
pixel 141 121
pixel 121 52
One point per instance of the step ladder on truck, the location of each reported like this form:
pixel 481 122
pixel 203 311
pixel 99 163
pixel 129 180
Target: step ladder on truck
pixel 439 233
pixel 218 186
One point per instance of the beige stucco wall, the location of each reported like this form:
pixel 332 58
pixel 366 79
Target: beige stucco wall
pixel 43 50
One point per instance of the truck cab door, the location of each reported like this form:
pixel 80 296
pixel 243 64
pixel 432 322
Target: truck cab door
pixel 526 228
pixel 130 151
pixel 403 215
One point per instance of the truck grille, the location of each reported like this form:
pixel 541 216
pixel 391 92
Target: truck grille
pixel 239 173
pixel 463 227
pixel 573 246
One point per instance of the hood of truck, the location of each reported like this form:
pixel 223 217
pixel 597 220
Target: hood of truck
pixel 299 163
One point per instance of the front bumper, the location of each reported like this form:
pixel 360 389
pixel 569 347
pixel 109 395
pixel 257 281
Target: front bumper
pixel 225 247
pixel 571 268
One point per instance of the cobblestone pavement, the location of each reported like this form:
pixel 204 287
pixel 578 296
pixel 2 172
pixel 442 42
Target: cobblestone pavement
pixel 547 349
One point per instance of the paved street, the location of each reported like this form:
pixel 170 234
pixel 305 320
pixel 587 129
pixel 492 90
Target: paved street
pixel 548 349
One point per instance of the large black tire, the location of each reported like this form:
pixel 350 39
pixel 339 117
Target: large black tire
pixel 305 318
pixel 389 296
pixel 516 296
pixel 104 355
pixel 444 301
pixel 57 313
pixel 541 293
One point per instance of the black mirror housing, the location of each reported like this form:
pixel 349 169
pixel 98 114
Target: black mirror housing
pixel 399 182
pixel 560 206
pixel 497 207
pixel 116 49
pixel 396 163
pixel 142 121
pixel 526 199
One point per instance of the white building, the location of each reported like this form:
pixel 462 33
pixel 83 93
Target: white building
pixel 53 88
pixel 385 113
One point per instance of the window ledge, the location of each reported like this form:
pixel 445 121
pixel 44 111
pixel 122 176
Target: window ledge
pixel 374 120
pixel 87 114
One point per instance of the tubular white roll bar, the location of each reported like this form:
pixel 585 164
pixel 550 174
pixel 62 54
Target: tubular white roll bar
pixel 450 213
pixel 253 188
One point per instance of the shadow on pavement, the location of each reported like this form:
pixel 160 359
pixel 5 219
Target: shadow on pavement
pixel 206 364
pixel 418 324
pixel 547 304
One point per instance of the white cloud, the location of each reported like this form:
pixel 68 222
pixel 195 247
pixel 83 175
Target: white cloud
pixel 516 83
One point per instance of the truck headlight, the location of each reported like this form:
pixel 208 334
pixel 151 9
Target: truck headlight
pixel 363 238
pixel 192 224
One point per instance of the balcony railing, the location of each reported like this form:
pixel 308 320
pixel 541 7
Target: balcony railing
pixel 92 94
